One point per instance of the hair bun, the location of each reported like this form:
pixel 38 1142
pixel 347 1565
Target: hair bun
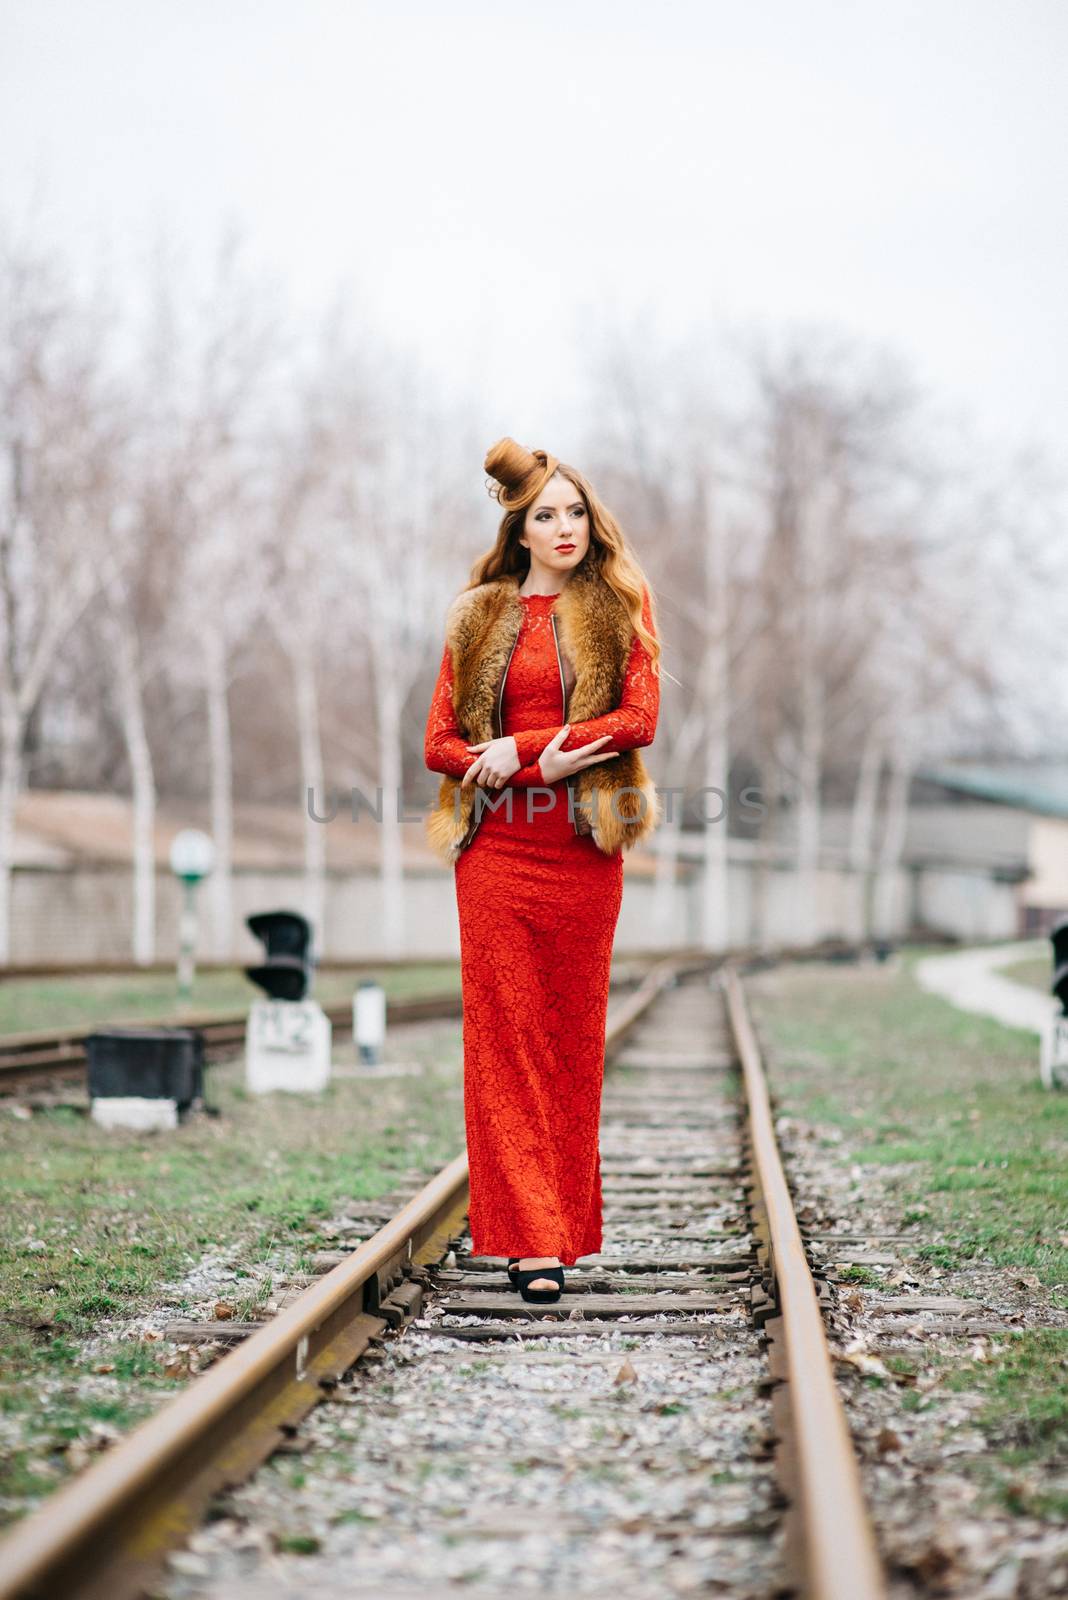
pixel 520 474
pixel 510 463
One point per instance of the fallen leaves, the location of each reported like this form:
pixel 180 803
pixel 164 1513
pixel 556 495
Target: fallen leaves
pixel 80 1451
pixel 863 1361
pixel 183 1362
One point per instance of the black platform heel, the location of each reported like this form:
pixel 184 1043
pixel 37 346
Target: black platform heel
pixel 546 1297
pixel 513 1262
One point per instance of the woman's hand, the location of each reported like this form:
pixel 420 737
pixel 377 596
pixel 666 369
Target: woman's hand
pixel 557 763
pixel 498 760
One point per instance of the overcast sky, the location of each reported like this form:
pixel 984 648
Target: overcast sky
pixel 482 175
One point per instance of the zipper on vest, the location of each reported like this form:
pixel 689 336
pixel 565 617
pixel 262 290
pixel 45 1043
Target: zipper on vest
pixel 560 665
pixel 570 782
pixel 500 691
pixel 499 714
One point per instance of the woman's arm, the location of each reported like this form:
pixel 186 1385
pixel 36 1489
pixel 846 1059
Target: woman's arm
pixel 631 724
pixel 444 746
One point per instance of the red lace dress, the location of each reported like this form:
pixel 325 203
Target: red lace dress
pixel 538 906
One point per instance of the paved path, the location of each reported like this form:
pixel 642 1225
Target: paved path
pixel 969 979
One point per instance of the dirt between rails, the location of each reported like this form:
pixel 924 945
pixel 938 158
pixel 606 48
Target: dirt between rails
pixel 928 1171
pixel 616 1442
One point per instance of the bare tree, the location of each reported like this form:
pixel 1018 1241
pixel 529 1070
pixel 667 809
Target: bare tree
pixel 400 516
pixel 843 590
pixel 231 348
pixel 830 425
pixel 301 592
pixel 53 403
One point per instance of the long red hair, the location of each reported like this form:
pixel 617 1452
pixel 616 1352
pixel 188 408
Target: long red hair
pixel 519 477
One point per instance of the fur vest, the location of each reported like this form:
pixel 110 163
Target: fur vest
pixel 593 635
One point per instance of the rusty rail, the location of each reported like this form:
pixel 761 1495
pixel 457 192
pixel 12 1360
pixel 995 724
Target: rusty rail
pixel 59 1053
pixel 837 1545
pixel 55 1054
pixel 104 1534
pixel 51 1055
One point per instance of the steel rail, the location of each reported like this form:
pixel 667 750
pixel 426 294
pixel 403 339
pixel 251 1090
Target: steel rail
pixel 839 1554
pixel 44 1055
pixel 59 1053
pixel 104 1534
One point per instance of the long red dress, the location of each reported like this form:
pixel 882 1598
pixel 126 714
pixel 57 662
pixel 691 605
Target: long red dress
pixel 538 905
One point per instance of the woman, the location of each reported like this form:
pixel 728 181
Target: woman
pixel 534 812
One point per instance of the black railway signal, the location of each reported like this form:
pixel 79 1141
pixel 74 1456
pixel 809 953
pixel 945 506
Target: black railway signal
pixel 286 973
pixel 1058 935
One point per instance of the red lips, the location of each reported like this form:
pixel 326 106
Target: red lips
pixel 565 547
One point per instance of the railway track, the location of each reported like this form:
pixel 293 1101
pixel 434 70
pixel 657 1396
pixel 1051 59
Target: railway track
pixel 45 1058
pixel 39 1060
pixel 704 1280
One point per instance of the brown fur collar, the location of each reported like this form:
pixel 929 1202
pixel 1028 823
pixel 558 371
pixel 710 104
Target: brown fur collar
pixel 594 634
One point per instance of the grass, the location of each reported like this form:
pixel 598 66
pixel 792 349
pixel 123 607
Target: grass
pixel 29 1004
pixel 949 1100
pixel 297 1544
pixel 1022 1388
pixel 947 1106
pixel 861 1275
pixel 97 1220
pixel 1025 1415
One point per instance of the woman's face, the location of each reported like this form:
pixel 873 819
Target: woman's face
pixel 558 518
